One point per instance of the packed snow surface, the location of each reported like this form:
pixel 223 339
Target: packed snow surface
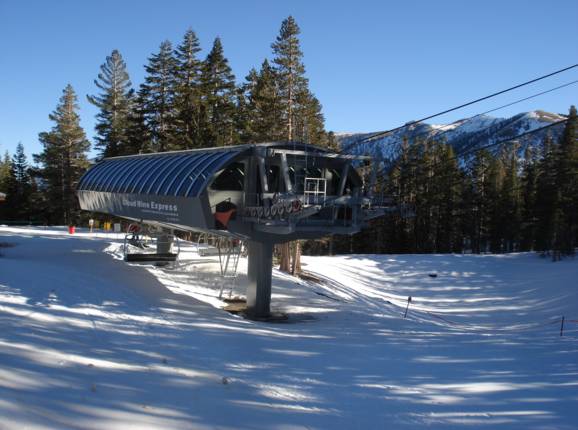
pixel 88 341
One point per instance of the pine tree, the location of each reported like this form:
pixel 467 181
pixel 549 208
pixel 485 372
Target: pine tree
pixel 245 116
pixel 290 72
pixel 510 202
pixel 295 100
pixel 496 173
pixel 422 174
pixel 157 97
pixel 567 186
pixel 5 166
pixel 547 197
pixel 404 193
pixel 332 142
pixel 138 133
pixel 19 187
pixel 264 120
pixel 448 191
pixel 480 200
pixel 309 119
pixel 114 103
pixel 63 159
pixel 187 92
pixel 528 200
pixel 219 92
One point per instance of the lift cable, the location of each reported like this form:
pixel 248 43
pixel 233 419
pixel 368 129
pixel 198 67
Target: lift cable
pixel 382 133
pixel 457 156
pixel 441 132
pixel 510 140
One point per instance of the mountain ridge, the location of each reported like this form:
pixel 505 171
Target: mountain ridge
pixel 467 134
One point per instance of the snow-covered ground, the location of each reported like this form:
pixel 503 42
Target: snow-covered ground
pixel 90 342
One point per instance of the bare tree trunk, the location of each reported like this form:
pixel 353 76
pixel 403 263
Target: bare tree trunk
pixel 284 263
pixel 290 108
pixel 296 266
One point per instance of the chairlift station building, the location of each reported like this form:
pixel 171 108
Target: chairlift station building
pixel 262 193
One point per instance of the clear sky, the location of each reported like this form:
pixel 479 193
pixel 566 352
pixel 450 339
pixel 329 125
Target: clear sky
pixel 373 65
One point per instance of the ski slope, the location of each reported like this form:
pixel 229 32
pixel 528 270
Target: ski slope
pixel 88 341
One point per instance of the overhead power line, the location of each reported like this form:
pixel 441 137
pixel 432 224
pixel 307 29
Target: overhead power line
pixel 382 133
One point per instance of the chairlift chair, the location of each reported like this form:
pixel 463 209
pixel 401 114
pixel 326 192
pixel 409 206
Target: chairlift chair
pixel 137 237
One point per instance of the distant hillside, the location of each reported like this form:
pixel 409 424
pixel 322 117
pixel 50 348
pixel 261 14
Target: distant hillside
pixel 463 135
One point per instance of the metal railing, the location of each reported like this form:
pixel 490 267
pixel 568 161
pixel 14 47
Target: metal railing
pixel 315 191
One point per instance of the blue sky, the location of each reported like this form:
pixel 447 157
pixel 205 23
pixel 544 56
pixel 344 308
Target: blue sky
pixel 373 64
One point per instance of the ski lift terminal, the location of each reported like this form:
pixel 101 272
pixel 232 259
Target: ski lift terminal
pixel 263 194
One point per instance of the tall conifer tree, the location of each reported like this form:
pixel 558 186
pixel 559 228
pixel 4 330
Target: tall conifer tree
pixel 63 159
pixel 5 165
pixel 300 112
pixel 496 173
pixel 138 133
pixel 480 200
pixel 114 103
pixel 19 187
pixel 290 71
pixel 157 97
pixel 567 185
pixel 448 184
pixel 245 111
pixel 187 92
pixel 264 105
pixel 309 119
pixel 219 92
pixel 528 185
pixel 510 201
pixel 547 197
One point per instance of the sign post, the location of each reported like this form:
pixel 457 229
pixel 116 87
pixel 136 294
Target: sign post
pixel 407 307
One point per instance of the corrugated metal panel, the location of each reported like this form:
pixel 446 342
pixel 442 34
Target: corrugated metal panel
pixel 165 174
pixel 172 188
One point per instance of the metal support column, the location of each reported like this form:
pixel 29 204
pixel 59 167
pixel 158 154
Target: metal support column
pixel 259 273
pixel 263 175
pixel 164 243
pixel 343 180
pixel 285 170
pixel 373 180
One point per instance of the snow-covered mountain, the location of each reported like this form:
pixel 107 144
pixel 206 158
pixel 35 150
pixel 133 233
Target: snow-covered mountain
pixel 465 135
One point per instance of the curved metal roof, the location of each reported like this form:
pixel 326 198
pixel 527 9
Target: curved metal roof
pixel 183 173
pixel 180 173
